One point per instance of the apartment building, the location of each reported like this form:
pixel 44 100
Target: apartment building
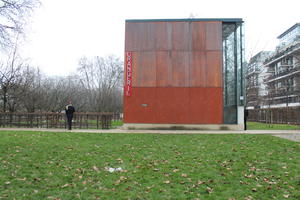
pixel 255 88
pixel 283 69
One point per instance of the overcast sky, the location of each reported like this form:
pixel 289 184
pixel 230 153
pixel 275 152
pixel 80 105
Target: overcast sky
pixel 62 31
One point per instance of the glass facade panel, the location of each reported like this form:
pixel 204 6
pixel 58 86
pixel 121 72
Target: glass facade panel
pixel 233 90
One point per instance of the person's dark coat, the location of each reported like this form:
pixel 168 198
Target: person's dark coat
pixel 69 112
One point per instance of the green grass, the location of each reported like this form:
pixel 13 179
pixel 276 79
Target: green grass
pixel 263 126
pixel 44 165
pixel 117 123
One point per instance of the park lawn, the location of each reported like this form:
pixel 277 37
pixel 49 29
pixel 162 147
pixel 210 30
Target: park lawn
pixel 263 126
pixel 117 123
pixel 46 165
pixel 93 124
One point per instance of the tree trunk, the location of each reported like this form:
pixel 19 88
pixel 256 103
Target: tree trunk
pixel 4 98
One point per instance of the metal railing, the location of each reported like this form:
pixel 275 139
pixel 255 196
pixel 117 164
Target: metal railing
pixel 286 115
pixel 283 74
pixel 58 120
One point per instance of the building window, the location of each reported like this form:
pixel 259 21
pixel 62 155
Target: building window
pixel 291 84
pixel 233 70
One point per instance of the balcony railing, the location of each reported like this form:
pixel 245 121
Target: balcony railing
pixel 283 51
pixel 283 74
pixel 252 72
pixel 275 94
pixel 252 87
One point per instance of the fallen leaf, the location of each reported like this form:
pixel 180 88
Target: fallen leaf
pixel 167 182
pixel 252 169
pixel 128 188
pixel 200 182
pixel 266 179
pixel 254 190
pixel 117 182
pixel 209 190
pixel 95 168
pixel 248 176
pixel 148 189
pixel 269 187
pixel 286 195
pixel 65 185
pixel 184 175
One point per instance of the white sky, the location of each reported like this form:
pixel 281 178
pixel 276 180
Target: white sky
pixel 62 31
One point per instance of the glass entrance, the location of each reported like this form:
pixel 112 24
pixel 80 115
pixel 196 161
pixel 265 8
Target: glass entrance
pixel 233 85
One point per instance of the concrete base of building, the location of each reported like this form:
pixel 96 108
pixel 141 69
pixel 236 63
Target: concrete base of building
pixel 138 126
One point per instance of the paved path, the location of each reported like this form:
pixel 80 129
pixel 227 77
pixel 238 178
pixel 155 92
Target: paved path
pixel 293 137
pixel 287 134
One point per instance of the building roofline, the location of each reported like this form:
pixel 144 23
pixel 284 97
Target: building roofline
pixel 289 30
pixel 232 20
pixel 278 55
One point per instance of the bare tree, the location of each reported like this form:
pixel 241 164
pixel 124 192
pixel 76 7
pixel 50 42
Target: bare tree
pixel 54 93
pixel 97 86
pixel 59 90
pixel 32 94
pixel 102 80
pixel 13 16
pixel 10 73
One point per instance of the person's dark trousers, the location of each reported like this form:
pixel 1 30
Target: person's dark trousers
pixel 70 117
pixel 245 122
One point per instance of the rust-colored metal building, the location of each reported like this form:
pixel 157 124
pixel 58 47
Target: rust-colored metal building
pixel 184 73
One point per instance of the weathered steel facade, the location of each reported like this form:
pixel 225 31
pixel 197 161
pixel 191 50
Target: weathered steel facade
pixel 176 72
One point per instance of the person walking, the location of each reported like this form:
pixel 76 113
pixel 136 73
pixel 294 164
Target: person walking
pixel 246 113
pixel 69 113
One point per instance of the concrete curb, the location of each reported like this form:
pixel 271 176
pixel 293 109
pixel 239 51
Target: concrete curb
pixel 293 135
pixel 268 132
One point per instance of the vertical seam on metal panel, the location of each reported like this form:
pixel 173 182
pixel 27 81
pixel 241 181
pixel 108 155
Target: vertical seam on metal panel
pixel 235 70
